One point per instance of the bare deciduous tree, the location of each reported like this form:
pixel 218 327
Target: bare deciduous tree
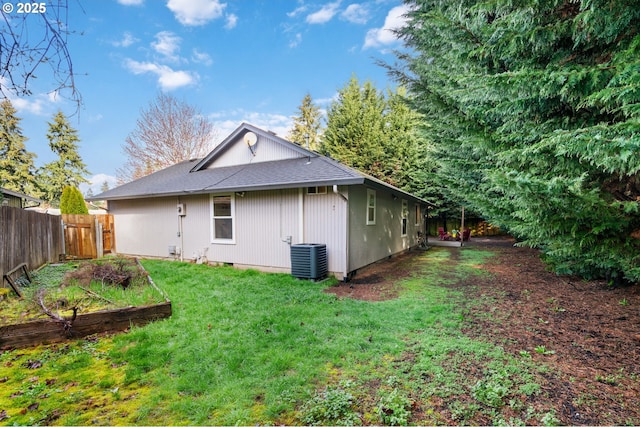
pixel 33 38
pixel 168 132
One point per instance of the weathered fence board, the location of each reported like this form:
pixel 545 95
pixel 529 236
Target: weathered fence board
pixel 48 331
pixel 108 232
pixel 88 236
pixel 30 237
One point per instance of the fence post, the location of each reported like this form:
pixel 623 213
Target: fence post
pixel 99 242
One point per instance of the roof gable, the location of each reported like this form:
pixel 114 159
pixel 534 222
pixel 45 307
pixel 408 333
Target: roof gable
pixel 235 150
pixel 290 166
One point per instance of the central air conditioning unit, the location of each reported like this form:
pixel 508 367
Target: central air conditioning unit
pixel 309 261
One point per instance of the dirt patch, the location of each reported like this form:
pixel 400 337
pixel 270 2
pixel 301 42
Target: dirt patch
pixel 586 332
pixel 378 281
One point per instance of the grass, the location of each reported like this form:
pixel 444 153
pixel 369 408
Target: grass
pixel 244 347
pixel 70 285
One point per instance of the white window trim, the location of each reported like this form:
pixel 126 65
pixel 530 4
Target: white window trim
pixel 317 190
pixel 404 218
pixel 231 241
pixel 375 201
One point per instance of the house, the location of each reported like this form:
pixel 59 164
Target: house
pixel 16 199
pixel 254 196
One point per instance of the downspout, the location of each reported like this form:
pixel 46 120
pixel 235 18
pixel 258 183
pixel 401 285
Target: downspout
pixel 301 215
pixel 345 273
pixel 181 235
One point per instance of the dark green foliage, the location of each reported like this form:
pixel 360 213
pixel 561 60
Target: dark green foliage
pixel 377 134
pixel 306 126
pixel 72 201
pixel 534 110
pixel 16 163
pixel 68 169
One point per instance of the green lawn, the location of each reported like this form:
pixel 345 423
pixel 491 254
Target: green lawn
pixel 244 347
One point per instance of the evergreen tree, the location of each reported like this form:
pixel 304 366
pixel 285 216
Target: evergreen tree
pixel 68 169
pixel 104 187
pixel 402 162
pixel 16 163
pixel 64 200
pixel 380 136
pixel 534 112
pixel 72 201
pixel 355 127
pixel 306 126
pixel 77 203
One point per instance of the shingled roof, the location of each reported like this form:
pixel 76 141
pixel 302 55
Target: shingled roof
pixel 193 177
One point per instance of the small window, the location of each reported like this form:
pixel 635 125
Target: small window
pixel 418 214
pixel 405 216
pixel 371 207
pixel 222 207
pixel 317 190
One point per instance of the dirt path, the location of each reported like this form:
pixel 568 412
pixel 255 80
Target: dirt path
pixel 586 332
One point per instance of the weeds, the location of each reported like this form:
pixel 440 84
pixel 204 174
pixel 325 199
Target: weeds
pixel 394 409
pixel 244 347
pixel 541 349
pixel 332 406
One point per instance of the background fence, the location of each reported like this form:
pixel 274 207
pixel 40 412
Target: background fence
pixel 88 236
pixel 478 226
pixel 30 237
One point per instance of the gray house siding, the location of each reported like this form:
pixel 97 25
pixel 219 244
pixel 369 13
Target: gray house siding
pixel 325 220
pixel 265 150
pixel 145 227
pixel 269 204
pixel 369 243
pixel 264 222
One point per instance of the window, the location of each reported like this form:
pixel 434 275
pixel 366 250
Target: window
pixel 317 190
pixel 418 214
pixel 371 207
pixel 222 207
pixel 405 216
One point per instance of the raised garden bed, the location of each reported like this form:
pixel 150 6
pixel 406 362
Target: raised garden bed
pixel 69 301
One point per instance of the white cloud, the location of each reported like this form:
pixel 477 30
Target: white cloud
pixel 226 122
pixel 356 14
pixel 131 2
pixel 127 40
pixel 167 44
pixel 297 39
pixel 380 37
pixel 196 12
pixel 297 11
pixel 325 14
pixel 201 57
pixel 232 21
pixel 39 104
pixel 97 181
pixel 168 79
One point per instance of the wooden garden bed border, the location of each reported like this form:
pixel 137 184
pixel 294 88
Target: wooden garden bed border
pixel 48 331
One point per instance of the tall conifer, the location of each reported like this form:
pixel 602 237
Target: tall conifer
pixel 534 111
pixel 68 169
pixel 16 163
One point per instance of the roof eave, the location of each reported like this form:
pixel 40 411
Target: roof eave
pixel 261 187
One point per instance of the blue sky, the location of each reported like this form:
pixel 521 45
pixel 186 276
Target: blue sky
pixel 235 60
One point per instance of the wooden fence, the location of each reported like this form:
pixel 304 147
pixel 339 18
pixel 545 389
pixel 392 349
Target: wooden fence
pixel 30 237
pixel 88 236
pixel 478 227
